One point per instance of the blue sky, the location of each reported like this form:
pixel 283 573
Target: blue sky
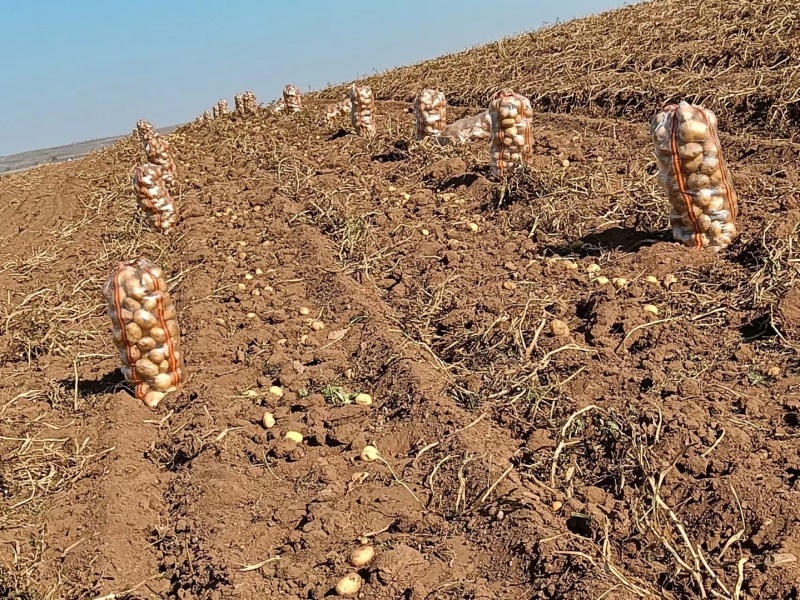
pixel 76 70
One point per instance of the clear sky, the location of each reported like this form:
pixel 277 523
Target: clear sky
pixel 75 70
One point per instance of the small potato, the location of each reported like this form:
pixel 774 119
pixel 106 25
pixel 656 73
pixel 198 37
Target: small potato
pixel 268 420
pixel 133 333
pixel 369 454
pixel 651 279
pixel 152 398
pixel 276 391
pixel 651 308
pixel 363 399
pixel 146 344
pixel 473 227
pixel 559 328
pixel 146 369
pixel 294 436
pixel 602 280
pixel 158 334
pixel 362 556
pixel 317 325
pixel 163 381
pixel 349 585
pixel 619 282
pixel 305 311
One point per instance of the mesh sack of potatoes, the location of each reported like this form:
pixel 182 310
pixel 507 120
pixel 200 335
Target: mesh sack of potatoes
pixel 238 103
pixel 222 108
pixel 291 99
pixel 362 109
pixel 511 115
pixel 693 173
pixel 156 149
pixel 469 128
pixel 278 106
pixel 249 102
pixel 430 113
pixel 145 329
pixel 153 197
pixel 333 111
pixel 207 116
pixel 145 129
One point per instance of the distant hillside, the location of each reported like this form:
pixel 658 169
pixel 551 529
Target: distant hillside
pixel 33 158
pixel 740 58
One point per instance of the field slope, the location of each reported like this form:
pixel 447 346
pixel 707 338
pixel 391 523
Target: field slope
pixel 636 455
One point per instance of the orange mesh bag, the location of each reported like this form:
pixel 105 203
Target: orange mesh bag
pixel 511 116
pixel 156 149
pixel 238 103
pixel 145 329
pixel 154 198
pixel 291 99
pixel 145 129
pixel 362 109
pixel 222 108
pixel 214 111
pixel 430 113
pixel 207 116
pixel 693 173
pixel 249 102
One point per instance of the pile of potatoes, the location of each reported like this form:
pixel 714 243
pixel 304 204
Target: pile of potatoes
pixel 339 108
pixel 362 111
pixel 511 115
pixel 478 127
pixel 145 329
pixel 430 113
pixel 692 171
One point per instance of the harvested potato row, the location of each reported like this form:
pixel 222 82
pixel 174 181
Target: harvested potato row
pixel 430 113
pixel 291 99
pixel 156 149
pixel 145 329
pixel 340 108
pixel 693 173
pixel 362 109
pixel 469 128
pixel 510 114
pixel 249 102
pixel 153 196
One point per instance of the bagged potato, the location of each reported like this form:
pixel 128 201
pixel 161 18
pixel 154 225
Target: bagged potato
pixel 511 116
pixel 693 173
pixel 207 116
pixel 145 129
pixel 430 113
pixel 145 329
pixel 222 108
pixel 278 106
pixel 291 99
pixel 153 196
pixel 156 150
pixel 469 128
pixel 238 104
pixel 340 108
pixel 362 109
pixel 249 102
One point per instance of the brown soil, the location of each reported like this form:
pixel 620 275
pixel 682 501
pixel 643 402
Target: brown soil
pixel 635 456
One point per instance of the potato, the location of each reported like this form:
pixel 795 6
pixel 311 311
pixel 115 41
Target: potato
pixel 268 421
pixel 361 556
pixel 349 585
pixel 559 328
pixel 369 454
pixel 363 399
pixel 294 436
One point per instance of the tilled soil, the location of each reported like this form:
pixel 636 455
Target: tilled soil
pixel 632 455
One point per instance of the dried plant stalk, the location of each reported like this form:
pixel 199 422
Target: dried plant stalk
pixel 430 113
pixel 145 329
pixel 291 99
pixel 362 110
pixel 510 114
pixel 153 196
pixel 693 173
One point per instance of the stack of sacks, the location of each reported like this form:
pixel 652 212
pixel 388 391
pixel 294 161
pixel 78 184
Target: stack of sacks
pixel 362 110
pixel 692 171
pixel 145 329
pixel 153 197
pixel 511 116
pixel 430 113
